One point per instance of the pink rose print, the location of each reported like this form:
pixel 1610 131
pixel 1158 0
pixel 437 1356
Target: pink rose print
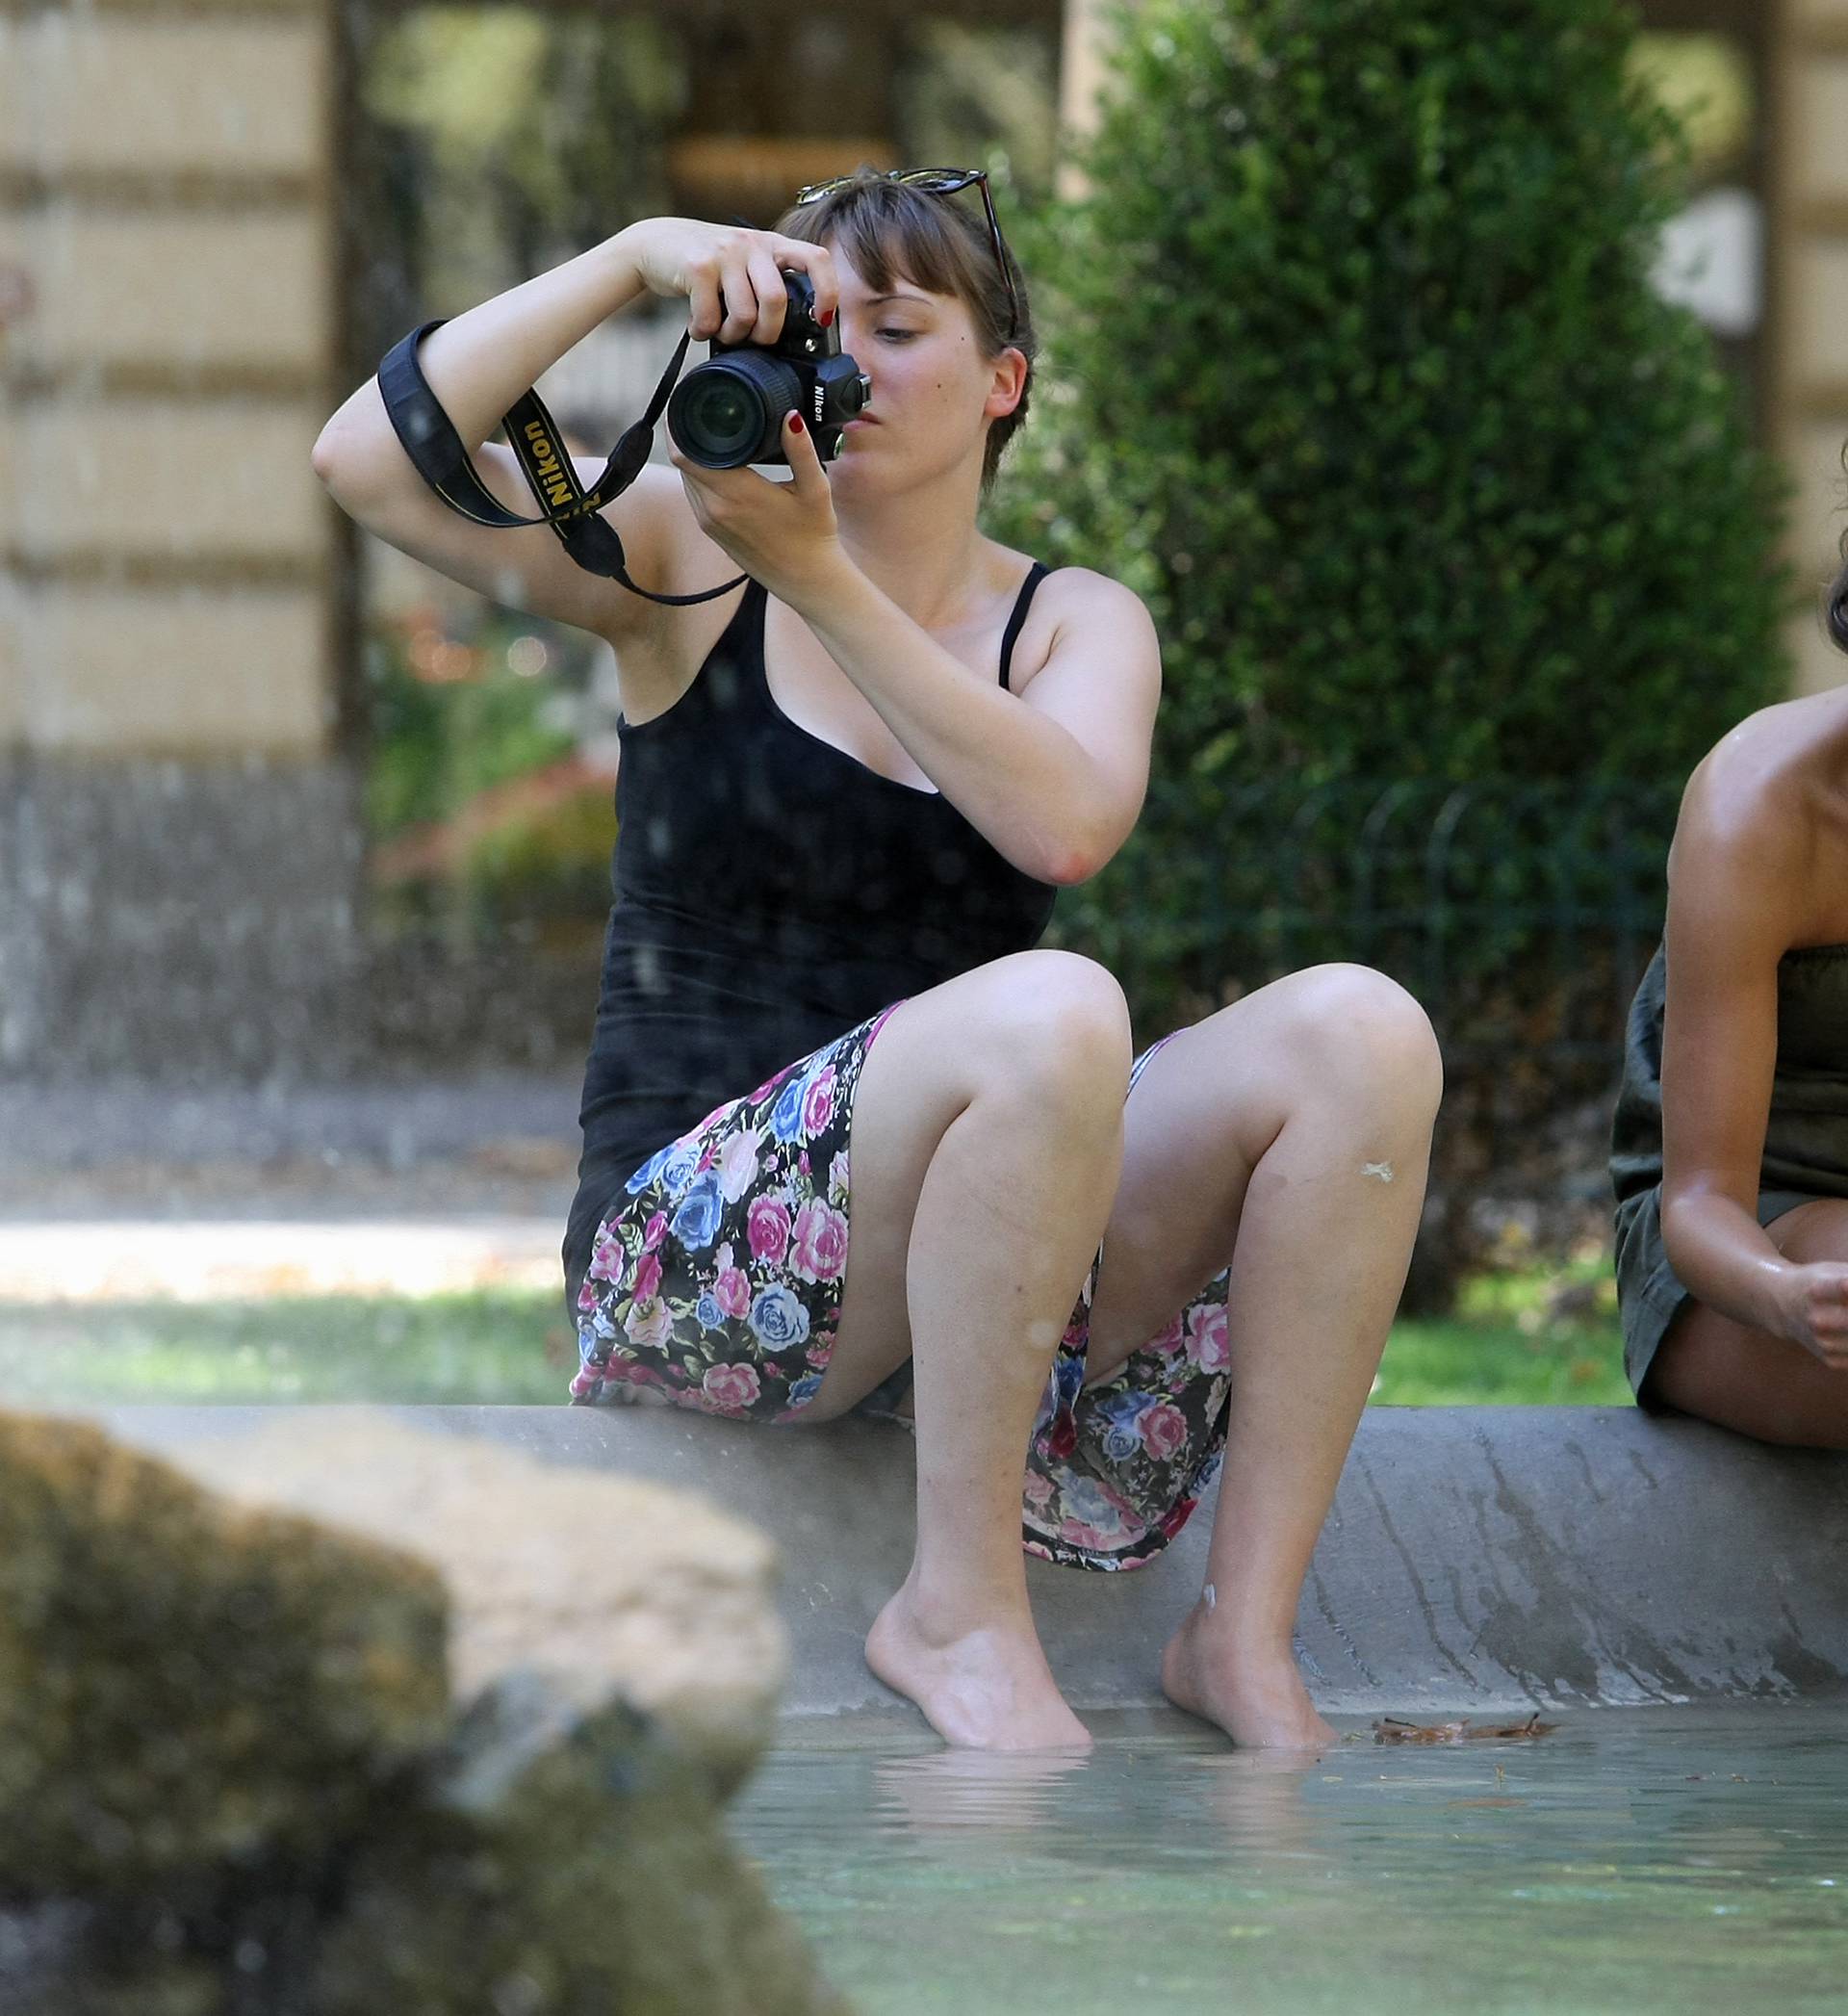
pixel 837 1175
pixel 606 1261
pixel 654 1232
pixel 1168 1342
pixel 648 1325
pixel 648 1276
pixel 1163 1431
pixel 732 1388
pixel 821 1242
pixel 739 1165
pixel 1037 1490
pixel 1207 1345
pixel 586 1295
pixel 768 1229
pixel 731 1291
pixel 1094 1540
pixel 818 1107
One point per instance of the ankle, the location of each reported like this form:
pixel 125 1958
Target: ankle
pixel 941 1610
pixel 1247 1633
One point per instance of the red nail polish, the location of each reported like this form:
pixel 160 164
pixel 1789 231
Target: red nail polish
pixel 826 318
pixel 795 423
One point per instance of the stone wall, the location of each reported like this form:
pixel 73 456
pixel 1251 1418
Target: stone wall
pixel 1810 299
pixel 178 869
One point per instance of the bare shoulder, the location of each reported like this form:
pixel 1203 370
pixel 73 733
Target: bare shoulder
pixel 1082 617
pixel 1761 845
pixel 1755 795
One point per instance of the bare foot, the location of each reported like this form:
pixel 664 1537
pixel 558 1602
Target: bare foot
pixel 988 1689
pixel 1258 1699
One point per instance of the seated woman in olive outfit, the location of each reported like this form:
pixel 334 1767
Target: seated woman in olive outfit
pixel 1729 1149
pixel 848 796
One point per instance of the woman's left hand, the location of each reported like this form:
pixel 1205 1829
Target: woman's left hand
pixel 782 534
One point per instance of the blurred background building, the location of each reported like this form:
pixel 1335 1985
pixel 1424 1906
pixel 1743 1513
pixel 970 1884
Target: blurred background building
pixel 242 748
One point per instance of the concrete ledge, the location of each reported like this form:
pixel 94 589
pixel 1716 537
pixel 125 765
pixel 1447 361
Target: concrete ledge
pixel 1476 1558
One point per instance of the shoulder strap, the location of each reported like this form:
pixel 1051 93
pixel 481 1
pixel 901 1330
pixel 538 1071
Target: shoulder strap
pixel 436 451
pixel 1018 619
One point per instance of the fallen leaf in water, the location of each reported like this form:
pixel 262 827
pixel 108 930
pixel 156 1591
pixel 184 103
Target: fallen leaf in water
pixel 1391 1729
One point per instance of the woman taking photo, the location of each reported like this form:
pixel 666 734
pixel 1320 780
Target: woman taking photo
pixel 845 1128
pixel 1730 1148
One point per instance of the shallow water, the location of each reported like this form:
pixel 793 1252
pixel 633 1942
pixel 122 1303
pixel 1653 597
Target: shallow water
pixel 1637 1860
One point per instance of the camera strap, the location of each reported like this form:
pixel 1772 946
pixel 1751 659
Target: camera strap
pixel 575 513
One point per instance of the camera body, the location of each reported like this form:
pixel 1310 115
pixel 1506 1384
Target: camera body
pixel 727 412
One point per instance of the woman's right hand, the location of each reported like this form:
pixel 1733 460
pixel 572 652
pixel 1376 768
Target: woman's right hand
pixel 732 278
pixel 1813 1302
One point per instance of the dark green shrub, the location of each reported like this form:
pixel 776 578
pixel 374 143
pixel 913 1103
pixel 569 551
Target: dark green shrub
pixel 1355 372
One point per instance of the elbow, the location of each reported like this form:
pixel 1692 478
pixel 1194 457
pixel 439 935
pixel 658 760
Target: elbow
pixel 325 457
pixel 1073 858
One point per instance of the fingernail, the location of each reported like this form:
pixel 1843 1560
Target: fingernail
pixel 795 423
pixel 826 318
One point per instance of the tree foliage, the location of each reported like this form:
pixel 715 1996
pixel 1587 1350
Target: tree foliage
pixel 1356 373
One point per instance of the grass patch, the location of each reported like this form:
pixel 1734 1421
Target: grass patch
pixel 505 1345
pixel 1520 1337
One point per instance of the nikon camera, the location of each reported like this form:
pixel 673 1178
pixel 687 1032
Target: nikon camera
pixel 728 411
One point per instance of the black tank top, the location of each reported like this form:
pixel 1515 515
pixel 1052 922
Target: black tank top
pixel 771 892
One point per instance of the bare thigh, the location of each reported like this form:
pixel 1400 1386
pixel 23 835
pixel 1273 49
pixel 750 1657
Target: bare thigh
pixel 1203 1114
pixel 993 1026
pixel 1747 1379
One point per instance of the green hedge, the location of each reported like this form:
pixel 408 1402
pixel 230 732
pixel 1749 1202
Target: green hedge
pixel 1355 372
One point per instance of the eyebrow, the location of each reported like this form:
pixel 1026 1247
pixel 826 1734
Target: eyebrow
pixel 922 300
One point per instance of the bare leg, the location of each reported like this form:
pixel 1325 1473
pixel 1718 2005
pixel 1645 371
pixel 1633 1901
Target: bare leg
pixel 1748 1380
pixel 1028 1065
pixel 1295 1125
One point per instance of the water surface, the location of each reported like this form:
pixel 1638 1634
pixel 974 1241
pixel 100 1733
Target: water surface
pixel 1637 1859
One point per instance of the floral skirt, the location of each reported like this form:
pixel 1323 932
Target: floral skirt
pixel 716 1285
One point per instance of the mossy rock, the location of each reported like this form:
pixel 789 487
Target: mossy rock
pixel 188 1687
pixel 575 1864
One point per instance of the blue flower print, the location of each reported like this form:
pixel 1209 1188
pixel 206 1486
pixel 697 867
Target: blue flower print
pixel 1122 1441
pixel 805 1391
pixel 683 1163
pixel 786 1116
pixel 697 1220
pixel 1084 1500
pixel 778 1320
pixel 649 1171
pixel 709 1313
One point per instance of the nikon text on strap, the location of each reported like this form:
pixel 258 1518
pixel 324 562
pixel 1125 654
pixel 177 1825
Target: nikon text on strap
pixel 572 512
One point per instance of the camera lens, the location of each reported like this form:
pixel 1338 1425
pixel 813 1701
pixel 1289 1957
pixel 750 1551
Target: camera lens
pixel 721 415
pixel 728 411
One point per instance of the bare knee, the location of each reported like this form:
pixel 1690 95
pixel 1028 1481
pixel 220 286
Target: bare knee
pixel 1052 1023
pixel 1364 1033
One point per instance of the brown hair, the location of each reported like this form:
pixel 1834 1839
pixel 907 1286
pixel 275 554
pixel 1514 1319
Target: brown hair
pixel 889 229
pixel 1835 609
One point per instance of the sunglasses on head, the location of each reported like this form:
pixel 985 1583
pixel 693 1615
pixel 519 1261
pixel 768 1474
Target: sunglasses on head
pixel 938 182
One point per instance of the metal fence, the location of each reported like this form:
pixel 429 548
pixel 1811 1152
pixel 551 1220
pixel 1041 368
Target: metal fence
pixel 1520 913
